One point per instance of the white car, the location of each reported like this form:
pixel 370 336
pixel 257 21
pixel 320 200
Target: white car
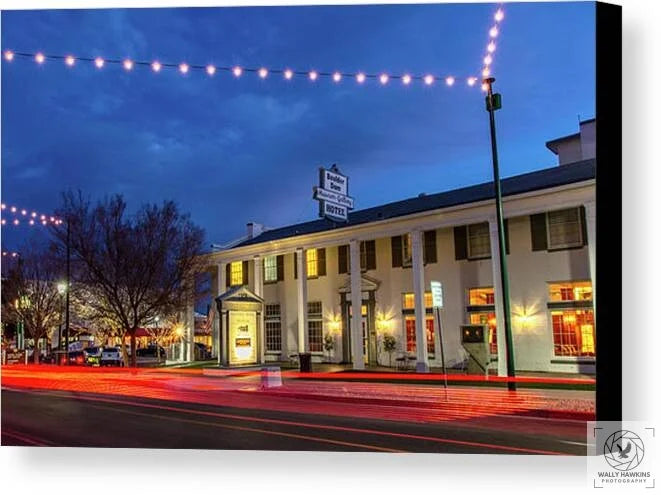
pixel 111 356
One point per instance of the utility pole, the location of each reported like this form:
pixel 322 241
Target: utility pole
pixel 494 103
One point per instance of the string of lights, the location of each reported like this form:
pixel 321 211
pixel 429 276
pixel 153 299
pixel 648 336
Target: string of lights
pixel 23 216
pixel 12 254
pixel 494 31
pixel 263 73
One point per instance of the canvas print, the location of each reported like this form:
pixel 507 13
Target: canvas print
pixel 337 228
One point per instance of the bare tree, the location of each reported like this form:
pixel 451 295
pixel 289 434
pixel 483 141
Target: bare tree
pixel 31 295
pixel 134 267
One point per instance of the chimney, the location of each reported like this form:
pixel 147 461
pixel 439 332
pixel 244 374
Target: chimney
pixel 254 229
pixel 576 147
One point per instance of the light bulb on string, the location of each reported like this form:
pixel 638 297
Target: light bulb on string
pixel 288 74
pixel 211 70
pixel 491 47
pixel 406 79
pixel 337 77
pixel 313 75
pixel 156 66
pixel 237 71
pixel 449 80
pixel 128 64
pixel 360 77
pixel 383 79
pixel 40 58
pixel 69 60
pixel 99 62
pixel 429 79
pixel 9 55
pixel 493 32
pixel 499 16
pixel 263 72
pixel 183 68
pixel 471 81
pixel 12 209
pixel 487 60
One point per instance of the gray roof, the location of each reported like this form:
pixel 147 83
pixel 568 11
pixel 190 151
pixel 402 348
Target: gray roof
pixel 532 181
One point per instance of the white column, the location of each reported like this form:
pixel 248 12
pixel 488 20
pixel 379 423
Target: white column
pixel 220 277
pixel 190 332
pixel 422 364
pixel 591 219
pixel 498 297
pixel 302 286
pixel 259 290
pixel 356 306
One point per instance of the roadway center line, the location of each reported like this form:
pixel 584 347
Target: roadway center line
pixel 523 450
pixel 254 430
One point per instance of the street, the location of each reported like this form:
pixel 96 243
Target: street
pixel 231 413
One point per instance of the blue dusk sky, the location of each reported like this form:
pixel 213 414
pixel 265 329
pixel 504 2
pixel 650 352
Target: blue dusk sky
pixel 230 150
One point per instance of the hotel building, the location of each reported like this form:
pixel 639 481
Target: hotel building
pixel 305 282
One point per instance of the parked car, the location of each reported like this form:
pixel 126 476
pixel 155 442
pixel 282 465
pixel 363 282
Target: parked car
pixel 150 352
pixel 93 356
pixel 111 356
pixel 76 358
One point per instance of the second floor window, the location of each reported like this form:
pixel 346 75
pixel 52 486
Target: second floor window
pixel 311 255
pixel 270 269
pixel 236 273
pixel 564 228
pixel 479 245
pixel 570 291
pixel 408 300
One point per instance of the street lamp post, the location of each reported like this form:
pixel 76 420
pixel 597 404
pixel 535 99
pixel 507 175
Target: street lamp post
pixel 66 325
pixel 61 289
pixel 494 103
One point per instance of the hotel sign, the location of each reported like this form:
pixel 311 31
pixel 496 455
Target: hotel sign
pixel 333 194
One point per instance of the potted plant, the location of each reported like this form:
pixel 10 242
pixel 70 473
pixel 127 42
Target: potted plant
pixel 329 344
pixel 389 344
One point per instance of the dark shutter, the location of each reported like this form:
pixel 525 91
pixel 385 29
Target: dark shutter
pixel 295 265
pixel 460 243
pixel 245 272
pixel 396 245
pixel 370 255
pixel 584 226
pixel 342 259
pixel 538 231
pixel 321 262
pixel 280 261
pixel 507 235
pixel 228 274
pixel 429 250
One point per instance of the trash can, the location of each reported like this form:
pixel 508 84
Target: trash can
pixel 305 360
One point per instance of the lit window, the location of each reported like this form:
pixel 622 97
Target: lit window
pixel 273 327
pixel 315 326
pixel 236 273
pixel 479 245
pixel 410 334
pixel 570 291
pixel 564 228
pixel 408 300
pixel 311 256
pixel 363 311
pixel 573 333
pixel 481 296
pixel 270 269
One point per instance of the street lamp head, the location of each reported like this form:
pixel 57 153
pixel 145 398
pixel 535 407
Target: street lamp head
pixel 62 287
